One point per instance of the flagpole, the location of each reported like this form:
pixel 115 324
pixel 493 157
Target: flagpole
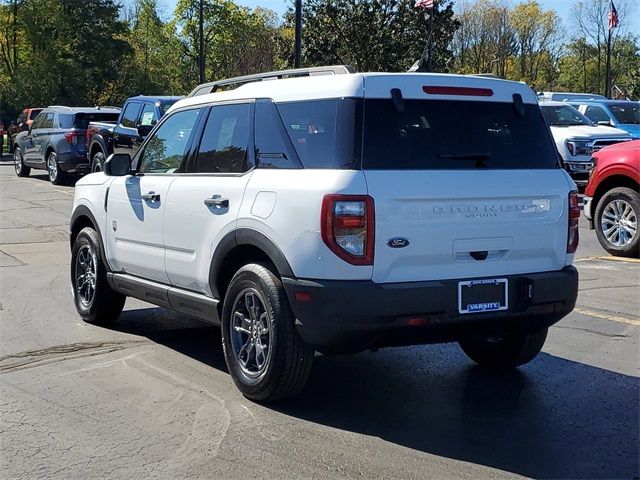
pixel 607 80
pixel 429 62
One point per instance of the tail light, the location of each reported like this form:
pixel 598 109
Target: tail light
pixel 71 138
pixel 574 216
pixel 347 225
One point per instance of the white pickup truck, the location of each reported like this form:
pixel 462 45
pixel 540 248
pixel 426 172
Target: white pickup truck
pixel 577 138
pixel 338 213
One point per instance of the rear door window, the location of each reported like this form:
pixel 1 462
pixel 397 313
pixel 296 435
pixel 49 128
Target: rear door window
pixel 130 115
pixel 272 145
pixel 627 112
pixel 596 114
pixel 149 115
pixel 439 134
pixel 225 141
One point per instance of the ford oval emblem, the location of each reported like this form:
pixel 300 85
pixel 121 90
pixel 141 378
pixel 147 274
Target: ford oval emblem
pixel 398 242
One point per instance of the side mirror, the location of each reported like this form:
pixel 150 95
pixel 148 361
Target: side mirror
pixel 143 130
pixel 25 128
pixel 117 165
pixel 605 123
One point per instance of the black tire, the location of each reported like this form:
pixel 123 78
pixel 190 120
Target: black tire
pixel 56 175
pixel 287 364
pixel 506 352
pixel 18 162
pixel 105 305
pixel 630 247
pixel 97 161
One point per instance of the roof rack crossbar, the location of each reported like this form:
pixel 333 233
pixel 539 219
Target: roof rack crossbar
pixel 211 87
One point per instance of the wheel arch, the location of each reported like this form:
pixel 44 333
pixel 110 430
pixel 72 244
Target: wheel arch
pixel 82 218
pixel 611 182
pixel 97 144
pixel 238 248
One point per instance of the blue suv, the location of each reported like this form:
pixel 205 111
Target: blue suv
pixel 56 141
pixel 623 114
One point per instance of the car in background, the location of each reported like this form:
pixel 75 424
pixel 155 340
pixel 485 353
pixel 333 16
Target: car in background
pixel 127 132
pixel 622 114
pixel 577 137
pixel 565 96
pixel 29 115
pixel 612 198
pixel 56 141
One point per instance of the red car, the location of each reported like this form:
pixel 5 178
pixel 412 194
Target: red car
pixel 612 198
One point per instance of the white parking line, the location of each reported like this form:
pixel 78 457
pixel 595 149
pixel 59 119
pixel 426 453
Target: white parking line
pixel 607 316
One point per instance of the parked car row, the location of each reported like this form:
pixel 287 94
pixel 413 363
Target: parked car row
pixel 68 140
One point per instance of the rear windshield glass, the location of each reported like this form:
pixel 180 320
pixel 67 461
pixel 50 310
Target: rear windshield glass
pixel 166 106
pixel 82 119
pixel 439 134
pixel 626 112
pixel 324 132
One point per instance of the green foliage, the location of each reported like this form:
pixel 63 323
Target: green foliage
pixel 373 35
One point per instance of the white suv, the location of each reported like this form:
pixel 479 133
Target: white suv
pixel 336 214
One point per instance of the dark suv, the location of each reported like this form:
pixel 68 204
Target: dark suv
pixel 56 141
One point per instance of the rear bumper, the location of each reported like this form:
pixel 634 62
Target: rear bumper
pixel 74 163
pixel 350 316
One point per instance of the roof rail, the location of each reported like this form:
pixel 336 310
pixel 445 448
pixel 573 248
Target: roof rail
pixel 60 106
pixel 211 87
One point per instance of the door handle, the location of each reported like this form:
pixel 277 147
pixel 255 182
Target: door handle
pixel 151 197
pixel 217 201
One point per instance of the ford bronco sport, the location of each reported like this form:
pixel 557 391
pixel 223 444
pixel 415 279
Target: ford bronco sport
pixel 338 213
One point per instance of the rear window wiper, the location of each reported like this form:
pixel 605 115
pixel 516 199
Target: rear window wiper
pixel 480 158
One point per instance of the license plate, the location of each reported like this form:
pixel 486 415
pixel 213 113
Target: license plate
pixel 478 296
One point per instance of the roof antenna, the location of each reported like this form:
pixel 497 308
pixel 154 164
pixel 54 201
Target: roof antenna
pixel 398 102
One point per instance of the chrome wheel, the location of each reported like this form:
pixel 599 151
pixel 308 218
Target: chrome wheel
pixel 17 162
pixel 85 273
pixel 619 223
pixel 251 333
pixel 52 166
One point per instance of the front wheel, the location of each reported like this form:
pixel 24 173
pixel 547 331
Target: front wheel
pixel 266 358
pixel 95 300
pixel 616 222
pixel 505 352
pixel 18 162
pixel 97 163
pixel 56 175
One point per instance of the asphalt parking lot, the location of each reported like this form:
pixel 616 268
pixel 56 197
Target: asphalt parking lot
pixel 151 398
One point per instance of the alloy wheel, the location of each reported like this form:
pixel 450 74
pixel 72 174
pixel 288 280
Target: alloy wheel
pixel 17 162
pixel 251 333
pixel 52 166
pixel 619 223
pixel 85 275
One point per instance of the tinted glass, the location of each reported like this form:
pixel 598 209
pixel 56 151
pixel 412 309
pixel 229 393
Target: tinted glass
pixel 47 120
pixel 323 132
pixel 563 116
pixel 34 112
pixel 436 134
pixel 149 115
pixel 39 121
pixel 130 115
pixel 225 141
pixel 65 120
pixel 273 148
pixel 82 120
pixel 596 114
pixel 166 106
pixel 164 151
pixel 626 112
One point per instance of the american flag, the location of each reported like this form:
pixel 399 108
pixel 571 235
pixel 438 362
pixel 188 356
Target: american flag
pixel 426 4
pixel 613 16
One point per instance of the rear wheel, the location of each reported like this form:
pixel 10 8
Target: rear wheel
pixel 95 300
pixel 616 222
pixel 266 358
pixel 56 176
pixel 18 162
pixel 505 352
pixel 97 162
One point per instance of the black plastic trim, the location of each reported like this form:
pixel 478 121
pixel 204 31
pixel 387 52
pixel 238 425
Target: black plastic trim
pixel 83 211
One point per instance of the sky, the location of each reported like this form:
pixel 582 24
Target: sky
pixel 562 7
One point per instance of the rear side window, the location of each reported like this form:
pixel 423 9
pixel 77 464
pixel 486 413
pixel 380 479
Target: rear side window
pixel 65 120
pixel 324 132
pixel 130 115
pixel 225 140
pixel 82 120
pixel 272 145
pixel 627 112
pixel 438 134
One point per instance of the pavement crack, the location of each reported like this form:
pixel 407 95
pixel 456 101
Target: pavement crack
pixel 595 332
pixel 58 353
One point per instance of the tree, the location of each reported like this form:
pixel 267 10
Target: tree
pixel 373 35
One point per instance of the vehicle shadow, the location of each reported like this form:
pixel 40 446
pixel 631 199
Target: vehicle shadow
pixel 553 418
